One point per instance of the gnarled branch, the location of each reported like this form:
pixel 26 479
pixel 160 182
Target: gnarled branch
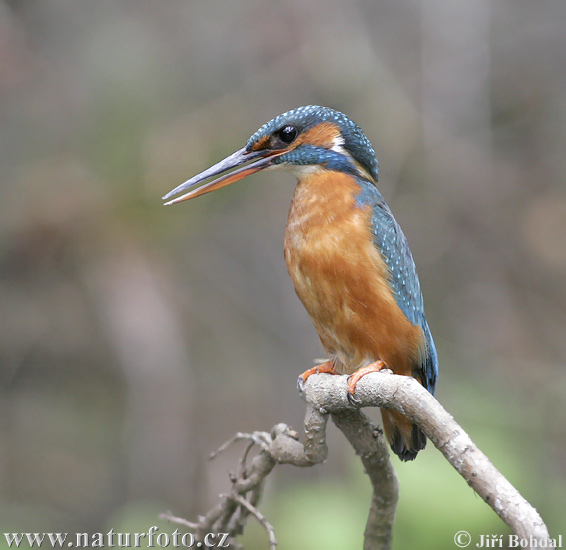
pixel 327 395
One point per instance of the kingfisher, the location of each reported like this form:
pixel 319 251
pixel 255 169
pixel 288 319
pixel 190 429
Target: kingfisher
pixel 347 256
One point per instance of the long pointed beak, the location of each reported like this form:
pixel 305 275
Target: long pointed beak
pixel 233 161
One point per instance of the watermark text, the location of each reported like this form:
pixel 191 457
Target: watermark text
pixel 151 539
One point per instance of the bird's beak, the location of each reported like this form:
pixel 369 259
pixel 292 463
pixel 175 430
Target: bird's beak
pixel 233 161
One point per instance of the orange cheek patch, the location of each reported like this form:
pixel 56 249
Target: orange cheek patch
pixel 323 135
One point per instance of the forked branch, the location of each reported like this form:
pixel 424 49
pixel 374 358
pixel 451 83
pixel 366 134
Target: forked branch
pixel 327 395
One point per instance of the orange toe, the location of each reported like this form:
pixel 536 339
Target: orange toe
pixel 376 366
pixel 325 368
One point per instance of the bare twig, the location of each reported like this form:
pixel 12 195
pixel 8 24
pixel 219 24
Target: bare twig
pixel 259 438
pixel 282 445
pixel 168 516
pixel 260 517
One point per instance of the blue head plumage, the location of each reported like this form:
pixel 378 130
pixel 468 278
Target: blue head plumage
pixel 349 144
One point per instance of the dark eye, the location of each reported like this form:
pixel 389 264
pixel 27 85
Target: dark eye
pixel 287 134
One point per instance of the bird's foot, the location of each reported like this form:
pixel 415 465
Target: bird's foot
pixel 354 378
pixel 323 368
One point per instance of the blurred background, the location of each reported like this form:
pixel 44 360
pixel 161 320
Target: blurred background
pixel 135 339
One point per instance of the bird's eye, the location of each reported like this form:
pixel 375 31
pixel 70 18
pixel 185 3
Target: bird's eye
pixel 287 134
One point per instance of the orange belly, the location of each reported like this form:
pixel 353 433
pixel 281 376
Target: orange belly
pixel 342 279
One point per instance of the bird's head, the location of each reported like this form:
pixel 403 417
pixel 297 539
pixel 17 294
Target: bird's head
pixel 304 139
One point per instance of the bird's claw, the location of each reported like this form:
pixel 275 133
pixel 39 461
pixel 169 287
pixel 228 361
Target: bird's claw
pixel 350 394
pixel 319 368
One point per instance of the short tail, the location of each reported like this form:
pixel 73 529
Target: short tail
pixel 405 438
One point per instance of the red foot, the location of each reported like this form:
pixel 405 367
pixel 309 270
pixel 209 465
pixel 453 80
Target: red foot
pixel 325 368
pixel 359 374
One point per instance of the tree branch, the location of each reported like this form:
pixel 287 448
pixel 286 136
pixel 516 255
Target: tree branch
pixel 327 395
pixel 406 395
pixel 369 443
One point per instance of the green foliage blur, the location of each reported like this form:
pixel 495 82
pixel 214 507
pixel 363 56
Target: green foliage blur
pixel 136 339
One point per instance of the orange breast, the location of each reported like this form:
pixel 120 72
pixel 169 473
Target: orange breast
pixel 342 279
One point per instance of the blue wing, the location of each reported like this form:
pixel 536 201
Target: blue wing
pixel 391 241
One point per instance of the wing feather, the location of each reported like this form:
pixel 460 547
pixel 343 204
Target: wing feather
pixel 392 243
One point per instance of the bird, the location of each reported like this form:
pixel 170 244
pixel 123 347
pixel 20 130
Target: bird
pixel 347 256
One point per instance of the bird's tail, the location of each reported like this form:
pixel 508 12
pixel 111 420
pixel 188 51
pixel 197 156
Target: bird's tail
pixel 405 438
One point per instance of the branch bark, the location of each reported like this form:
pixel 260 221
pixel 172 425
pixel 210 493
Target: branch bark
pixel 369 443
pixel 327 395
